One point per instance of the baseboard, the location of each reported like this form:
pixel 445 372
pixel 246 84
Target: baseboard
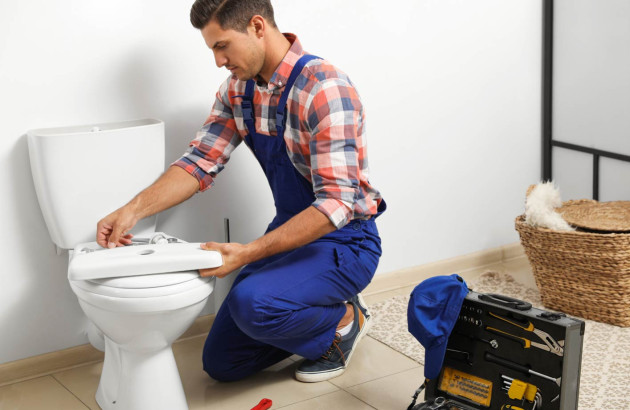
pixel 53 362
pixel 65 359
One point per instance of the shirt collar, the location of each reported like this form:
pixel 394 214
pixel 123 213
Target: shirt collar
pixel 280 77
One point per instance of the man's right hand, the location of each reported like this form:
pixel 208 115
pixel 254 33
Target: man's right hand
pixel 173 187
pixel 112 231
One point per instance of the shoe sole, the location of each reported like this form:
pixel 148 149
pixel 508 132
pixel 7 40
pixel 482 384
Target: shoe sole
pixel 327 375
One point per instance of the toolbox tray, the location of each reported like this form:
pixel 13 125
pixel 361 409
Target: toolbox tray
pixel 498 341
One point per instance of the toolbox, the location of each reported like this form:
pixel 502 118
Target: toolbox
pixel 503 354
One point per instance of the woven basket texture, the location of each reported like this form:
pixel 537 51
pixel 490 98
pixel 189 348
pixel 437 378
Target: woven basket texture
pixel 580 273
pixel 602 217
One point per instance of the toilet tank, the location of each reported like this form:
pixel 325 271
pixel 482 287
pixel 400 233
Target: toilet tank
pixel 82 173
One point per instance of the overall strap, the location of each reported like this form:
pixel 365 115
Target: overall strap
pixel 282 104
pixel 247 107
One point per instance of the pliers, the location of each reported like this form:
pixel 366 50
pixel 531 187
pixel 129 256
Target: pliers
pixel 549 345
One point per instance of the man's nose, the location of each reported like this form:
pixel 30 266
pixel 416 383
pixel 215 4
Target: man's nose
pixel 220 60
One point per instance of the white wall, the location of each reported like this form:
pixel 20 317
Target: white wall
pixel 452 90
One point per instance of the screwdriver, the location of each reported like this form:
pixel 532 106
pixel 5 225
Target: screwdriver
pixel 515 366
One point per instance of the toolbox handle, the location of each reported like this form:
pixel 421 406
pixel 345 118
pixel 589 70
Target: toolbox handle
pixel 505 301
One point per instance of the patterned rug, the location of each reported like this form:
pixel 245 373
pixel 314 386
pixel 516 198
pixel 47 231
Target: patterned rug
pixel 605 360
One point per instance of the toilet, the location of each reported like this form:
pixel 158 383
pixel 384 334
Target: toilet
pixel 140 298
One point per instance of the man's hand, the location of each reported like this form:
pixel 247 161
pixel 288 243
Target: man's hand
pixel 303 228
pixel 173 187
pixel 111 231
pixel 235 255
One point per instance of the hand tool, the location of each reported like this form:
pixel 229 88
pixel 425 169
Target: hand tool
pixel 550 344
pixel 520 390
pixel 493 343
pixel 263 405
pixel 438 403
pixel 518 367
pixel 467 386
pixel 471 320
pixel 460 355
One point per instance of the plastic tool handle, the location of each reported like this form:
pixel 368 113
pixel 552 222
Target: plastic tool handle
pixel 263 405
pixel 526 343
pixel 515 366
pixel 505 301
pixel 509 364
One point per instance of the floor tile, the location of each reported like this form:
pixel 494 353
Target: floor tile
pixel 41 393
pixel 332 401
pixel 276 383
pixel 82 382
pixel 371 361
pixel 390 392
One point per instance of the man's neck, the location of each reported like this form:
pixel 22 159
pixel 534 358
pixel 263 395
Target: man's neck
pixel 277 47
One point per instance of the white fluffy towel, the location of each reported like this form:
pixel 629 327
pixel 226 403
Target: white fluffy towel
pixel 542 199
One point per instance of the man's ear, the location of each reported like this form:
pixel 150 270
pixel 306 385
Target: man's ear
pixel 258 25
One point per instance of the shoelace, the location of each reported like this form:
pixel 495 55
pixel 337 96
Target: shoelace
pixel 333 346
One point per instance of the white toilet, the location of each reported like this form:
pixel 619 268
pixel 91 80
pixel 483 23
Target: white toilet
pixel 139 298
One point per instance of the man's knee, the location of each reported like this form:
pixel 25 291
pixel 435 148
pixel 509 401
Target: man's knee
pixel 252 312
pixel 218 364
pixel 220 372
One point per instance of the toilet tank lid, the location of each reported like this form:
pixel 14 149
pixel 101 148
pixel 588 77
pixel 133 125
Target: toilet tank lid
pixel 90 261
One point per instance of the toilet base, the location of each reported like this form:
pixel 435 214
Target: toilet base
pixel 140 380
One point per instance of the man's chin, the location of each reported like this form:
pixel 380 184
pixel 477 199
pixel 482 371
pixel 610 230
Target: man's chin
pixel 242 77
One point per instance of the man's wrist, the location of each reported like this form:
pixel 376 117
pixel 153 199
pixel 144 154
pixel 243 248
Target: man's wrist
pixel 253 251
pixel 132 207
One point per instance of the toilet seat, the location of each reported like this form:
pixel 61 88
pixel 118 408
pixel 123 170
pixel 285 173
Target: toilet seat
pixel 147 281
pixel 157 299
pixel 143 286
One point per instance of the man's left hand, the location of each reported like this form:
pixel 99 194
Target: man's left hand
pixel 234 256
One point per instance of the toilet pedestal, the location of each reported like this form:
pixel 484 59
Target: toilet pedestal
pixel 140 380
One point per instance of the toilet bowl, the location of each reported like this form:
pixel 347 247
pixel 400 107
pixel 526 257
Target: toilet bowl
pixel 138 298
pixel 140 316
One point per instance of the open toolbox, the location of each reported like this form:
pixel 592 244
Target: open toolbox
pixel 503 354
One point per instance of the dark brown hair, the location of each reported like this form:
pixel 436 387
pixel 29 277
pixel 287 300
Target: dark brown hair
pixel 230 14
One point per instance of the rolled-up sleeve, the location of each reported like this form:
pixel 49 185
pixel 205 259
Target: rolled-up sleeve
pixel 208 153
pixel 334 117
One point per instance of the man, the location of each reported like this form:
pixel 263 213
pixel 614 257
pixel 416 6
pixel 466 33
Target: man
pixel 302 118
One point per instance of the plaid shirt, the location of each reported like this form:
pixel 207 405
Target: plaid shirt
pixel 324 135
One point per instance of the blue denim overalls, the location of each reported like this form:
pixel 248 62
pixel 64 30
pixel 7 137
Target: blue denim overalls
pixel 289 303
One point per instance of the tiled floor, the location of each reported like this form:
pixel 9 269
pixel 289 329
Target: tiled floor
pixel 378 378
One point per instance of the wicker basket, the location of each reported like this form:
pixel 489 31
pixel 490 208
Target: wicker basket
pixel 583 274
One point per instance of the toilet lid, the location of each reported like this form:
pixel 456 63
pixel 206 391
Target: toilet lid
pixel 141 271
pixel 147 281
pixel 91 262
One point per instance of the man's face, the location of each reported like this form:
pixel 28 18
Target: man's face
pixel 241 53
